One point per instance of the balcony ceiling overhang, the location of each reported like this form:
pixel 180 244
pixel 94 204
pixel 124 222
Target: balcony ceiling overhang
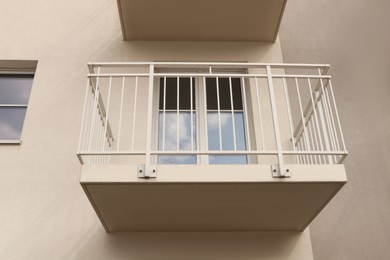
pixel 201 20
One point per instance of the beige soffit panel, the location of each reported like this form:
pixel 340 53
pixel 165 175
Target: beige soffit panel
pixel 201 20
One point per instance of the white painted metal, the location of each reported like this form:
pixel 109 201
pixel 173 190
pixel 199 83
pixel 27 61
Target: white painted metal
pixel 121 115
pixel 282 171
pixel 191 116
pixel 245 112
pixel 203 142
pixel 290 121
pixel 314 105
pixel 177 114
pixel 148 173
pixel 164 111
pixel 219 115
pixel 260 115
pixel 316 139
pixel 337 116
pixel 83 131
pixel 232 113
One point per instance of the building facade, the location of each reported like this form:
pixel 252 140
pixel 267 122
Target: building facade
pixel 196 140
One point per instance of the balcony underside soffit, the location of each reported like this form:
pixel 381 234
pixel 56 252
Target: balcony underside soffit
pixel 201 20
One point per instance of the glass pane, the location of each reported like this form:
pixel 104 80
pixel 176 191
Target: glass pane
pixel 171 95
pixel 171 137
pixel 228 159
pixel 11 123
pixel 211 92
pixel 15 89
pixel 236 89
pixel 227 137
pixel 185 131
pixel 177 159
pixel 213 130
pixel 227 131
pixel 239 128
pixel 224 94
pixel 184 93
pixel 170 131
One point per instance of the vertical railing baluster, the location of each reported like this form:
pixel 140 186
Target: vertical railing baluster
pixel 219 115
pixel 307 146
pixel 332 123
pixel 260 114
pixel 94 111
pixel 315 105
pixel 105 135
pixel 309 125
pixel 178 115
pixel 288 104
pixel 134 112
pixel 204 159
pixel 245 110
pixel 324 119
pixel 164 113
pixel 83 121
pixel 191 116
pixel 120 115
pixel 337 115
pixel 148 172
pixel 232 113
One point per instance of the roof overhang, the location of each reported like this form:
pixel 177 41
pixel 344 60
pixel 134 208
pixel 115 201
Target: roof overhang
pixel 201 20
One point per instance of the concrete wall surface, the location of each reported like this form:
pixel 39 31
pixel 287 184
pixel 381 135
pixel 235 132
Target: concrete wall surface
pixel 354 37
pixel 44 211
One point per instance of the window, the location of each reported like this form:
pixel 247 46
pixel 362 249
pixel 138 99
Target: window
pixel 15 88
pixel 201 114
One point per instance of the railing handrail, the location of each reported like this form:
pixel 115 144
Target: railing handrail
pixel 208 64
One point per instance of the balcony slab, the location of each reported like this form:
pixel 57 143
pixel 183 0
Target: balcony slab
pixel 210 197
pixel 201 20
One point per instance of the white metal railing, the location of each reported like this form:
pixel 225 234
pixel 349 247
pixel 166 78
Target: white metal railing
pixel 277 113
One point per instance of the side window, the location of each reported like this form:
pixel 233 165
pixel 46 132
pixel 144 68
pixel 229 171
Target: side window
pixel 15 88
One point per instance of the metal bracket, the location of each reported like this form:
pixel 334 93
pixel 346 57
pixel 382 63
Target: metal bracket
pixel 280 172
pixel 147 172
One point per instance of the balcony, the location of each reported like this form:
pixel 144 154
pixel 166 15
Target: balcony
pixel 210 146
pixel 211 20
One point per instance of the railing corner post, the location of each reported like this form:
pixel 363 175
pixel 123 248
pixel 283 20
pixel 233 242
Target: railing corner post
pixel 149 171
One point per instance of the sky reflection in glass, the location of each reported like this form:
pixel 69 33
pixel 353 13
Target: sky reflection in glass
pixel 226 136
pixel 15 89
pixel 170 142
pixel 14 95
pixel 11 122
pixel 223 95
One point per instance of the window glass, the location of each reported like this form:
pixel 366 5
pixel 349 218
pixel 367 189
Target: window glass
pixel 176 132
pixel 15 89
pixel 14 95
pixel 177 126
pixel 225 133
pixel 11 122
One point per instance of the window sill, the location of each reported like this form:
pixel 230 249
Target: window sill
pixel 10 142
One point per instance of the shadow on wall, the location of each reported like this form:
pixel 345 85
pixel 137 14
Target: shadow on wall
pixel 195 245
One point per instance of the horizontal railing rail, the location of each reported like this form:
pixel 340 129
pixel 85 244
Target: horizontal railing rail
pixel 150 113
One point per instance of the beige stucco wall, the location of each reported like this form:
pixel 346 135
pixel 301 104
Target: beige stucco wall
pixel 44 212
pixel 354 37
